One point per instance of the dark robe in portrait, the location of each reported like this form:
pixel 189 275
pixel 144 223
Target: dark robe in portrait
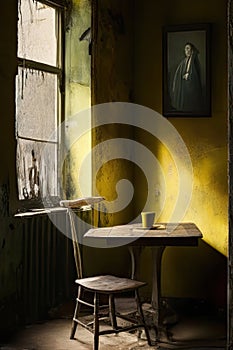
pixel 186 94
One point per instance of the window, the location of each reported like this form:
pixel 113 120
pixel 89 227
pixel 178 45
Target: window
pixel 39 96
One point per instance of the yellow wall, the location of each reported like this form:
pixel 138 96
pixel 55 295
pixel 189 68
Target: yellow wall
pixel 205 138
pixel 78 100
pixel 112 81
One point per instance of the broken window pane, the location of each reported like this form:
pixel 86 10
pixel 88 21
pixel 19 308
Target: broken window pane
pixel 36 105
pixel 37 39
pixel 36 169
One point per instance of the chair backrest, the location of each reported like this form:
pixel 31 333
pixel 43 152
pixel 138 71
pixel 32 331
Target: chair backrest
pixel 75 234
pixel 76 246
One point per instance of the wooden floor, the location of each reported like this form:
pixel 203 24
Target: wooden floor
pixel 191 331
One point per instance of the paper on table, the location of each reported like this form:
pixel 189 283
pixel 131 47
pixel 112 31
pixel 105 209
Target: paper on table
pixel 80 202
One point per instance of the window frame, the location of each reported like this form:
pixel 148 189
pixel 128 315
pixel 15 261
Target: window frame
pixel 61 6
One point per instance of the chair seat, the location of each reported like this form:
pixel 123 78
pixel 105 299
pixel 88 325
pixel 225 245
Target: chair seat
pixel 109 284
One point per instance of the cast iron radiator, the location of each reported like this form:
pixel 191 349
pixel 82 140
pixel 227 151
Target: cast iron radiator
pixel 48 267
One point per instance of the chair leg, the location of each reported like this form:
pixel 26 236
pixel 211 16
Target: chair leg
pixel 142 318
pixel 96 321
pixel 76 314
pixel 112 311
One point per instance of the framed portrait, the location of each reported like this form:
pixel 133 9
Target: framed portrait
pixel 186 71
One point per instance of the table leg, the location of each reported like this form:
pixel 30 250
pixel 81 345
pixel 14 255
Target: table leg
pixel 156 305
pixel 157 253
pixel 135 253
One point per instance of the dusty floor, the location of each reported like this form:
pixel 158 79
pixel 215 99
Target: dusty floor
pixel 191 331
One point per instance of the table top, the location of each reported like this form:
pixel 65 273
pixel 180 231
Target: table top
pixel 161 234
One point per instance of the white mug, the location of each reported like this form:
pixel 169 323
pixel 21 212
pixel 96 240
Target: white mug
pixel 148 218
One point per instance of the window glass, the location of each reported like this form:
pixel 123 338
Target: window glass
pixel 37 39
pixel 36 169
pixel 36 106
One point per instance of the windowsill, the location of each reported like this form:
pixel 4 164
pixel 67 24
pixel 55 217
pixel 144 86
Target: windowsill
pixel 54 210
pixel 35 212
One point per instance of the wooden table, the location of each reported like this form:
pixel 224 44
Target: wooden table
pixel 158 238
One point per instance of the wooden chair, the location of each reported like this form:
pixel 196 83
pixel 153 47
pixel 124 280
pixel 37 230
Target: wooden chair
pixel 99 286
